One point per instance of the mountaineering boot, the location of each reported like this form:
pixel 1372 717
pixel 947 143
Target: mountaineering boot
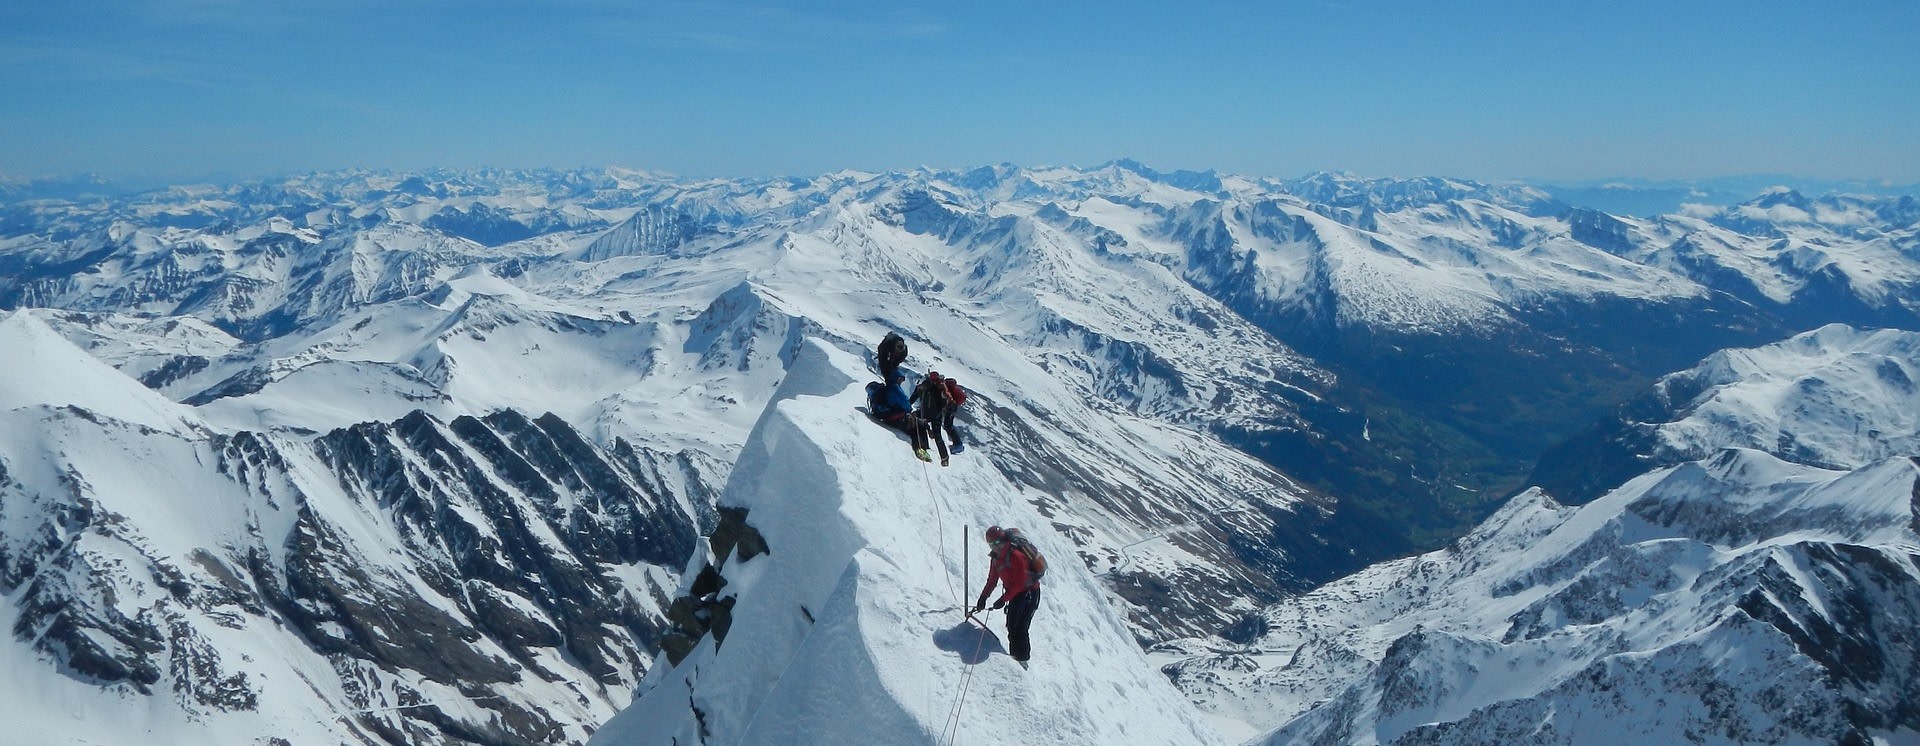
pixel 943 461
pixel 921 453
pixel 957 447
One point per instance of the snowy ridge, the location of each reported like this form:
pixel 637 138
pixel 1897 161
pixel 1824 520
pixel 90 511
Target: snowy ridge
pixel 852 616
pixel 1835 397
pixel 1739 597
pixel 62 376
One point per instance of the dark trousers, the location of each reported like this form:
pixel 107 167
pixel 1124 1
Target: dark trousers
pixel 932 418
pixel 945 422
pixel 913 426
pixel 1020 611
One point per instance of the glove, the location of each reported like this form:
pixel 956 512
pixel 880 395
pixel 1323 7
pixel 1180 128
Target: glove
pixel 978 605
pixel 999 603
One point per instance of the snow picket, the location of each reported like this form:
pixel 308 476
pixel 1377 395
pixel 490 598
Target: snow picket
pixel 851 627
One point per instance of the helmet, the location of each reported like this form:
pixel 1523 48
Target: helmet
pixel 995 534
pixel 934 376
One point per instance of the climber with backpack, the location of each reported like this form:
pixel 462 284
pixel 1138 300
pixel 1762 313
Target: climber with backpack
pixel 892 352
pixel 952 397
pixel 890 404
pixel 936 407
pixel 1017 566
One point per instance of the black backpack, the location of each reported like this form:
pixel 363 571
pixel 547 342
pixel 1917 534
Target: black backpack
pixel 893 350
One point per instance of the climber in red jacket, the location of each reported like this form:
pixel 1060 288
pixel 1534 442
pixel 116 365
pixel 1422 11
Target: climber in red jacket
pixel 1017 567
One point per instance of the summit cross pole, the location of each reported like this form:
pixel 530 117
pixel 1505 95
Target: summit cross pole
pixel 966 571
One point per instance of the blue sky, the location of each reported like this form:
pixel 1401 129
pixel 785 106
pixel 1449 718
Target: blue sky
pixel 1486 89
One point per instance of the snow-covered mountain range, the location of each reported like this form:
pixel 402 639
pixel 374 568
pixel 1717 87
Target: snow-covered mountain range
pixel 446 441
pixel 1763 589
pixel 475 578
pixel 1469 323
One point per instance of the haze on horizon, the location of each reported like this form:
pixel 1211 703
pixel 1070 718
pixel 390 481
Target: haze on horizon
pixel 1486 89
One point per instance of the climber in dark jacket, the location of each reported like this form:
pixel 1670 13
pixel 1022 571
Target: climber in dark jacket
pixel 936 409
pixel 891 405
pixel 892 352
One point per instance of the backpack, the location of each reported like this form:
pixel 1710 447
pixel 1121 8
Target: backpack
pixel 1036 562
pixel 955 394
pixel 932 394
pixel 877 399
pixel 892 350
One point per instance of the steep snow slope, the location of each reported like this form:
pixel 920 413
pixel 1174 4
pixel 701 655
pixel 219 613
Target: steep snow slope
pixel 848 627
pixel 158 352
pixel 54 374
pixel 1736 598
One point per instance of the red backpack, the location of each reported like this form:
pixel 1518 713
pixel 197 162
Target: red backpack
pixel 954 393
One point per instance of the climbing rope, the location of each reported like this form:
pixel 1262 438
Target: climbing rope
pixel 950 730
pixel 940 529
